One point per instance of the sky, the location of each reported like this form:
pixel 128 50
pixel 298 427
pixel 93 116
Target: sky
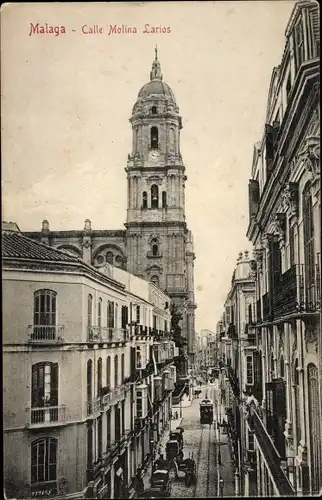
pixel 67 100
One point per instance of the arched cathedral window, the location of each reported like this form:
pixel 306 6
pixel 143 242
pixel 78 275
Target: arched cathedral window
pixel 154 138
pixel 109 257
pixel 145 200
pixel 155 249
pixel 154 110
pixel 154 196
pixel 164 199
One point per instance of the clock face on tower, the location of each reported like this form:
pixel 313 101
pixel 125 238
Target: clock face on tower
pixel 154 155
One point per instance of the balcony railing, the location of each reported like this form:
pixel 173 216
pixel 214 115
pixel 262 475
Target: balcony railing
pixel 93 406
pixel 234 381
pixel 106 334
pixel 47 416
pixel 114 395
pixel 293 295
pixel 45 333
pixel 272 457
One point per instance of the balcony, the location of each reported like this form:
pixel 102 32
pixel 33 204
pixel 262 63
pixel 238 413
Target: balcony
pixel 48 416
pixel 46 334
pixel 114 395
pixel 271 455
pixel 292 296
pixel 106 334
pixel 93 407
pixel 234 381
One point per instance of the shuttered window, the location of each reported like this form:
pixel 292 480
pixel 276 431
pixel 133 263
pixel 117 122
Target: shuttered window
pixel 44 386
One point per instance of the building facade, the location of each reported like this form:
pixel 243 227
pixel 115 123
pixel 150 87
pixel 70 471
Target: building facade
pixel 80 373
pixel 285 229
pixel 156 244
pixel 277 420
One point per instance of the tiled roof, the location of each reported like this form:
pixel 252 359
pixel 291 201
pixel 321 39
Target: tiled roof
pixel 17 246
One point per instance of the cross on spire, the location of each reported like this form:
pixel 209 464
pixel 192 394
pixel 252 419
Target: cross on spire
pixel 156 68
pixel 156 52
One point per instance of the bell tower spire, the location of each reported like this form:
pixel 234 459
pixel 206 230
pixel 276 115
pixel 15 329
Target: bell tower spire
pixel 155 73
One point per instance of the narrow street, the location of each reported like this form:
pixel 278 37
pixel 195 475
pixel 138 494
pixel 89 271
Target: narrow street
pixel 201 443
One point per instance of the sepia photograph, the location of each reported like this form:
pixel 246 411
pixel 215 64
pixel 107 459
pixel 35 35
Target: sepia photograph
pixel 161 255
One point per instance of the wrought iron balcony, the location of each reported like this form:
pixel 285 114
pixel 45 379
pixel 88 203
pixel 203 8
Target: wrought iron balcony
pixel 93 407
pixel 46 416
pixel 234 381
pixel 106 334
pixel 270 453
pixel 114 395
pixel 45 333
pixel 294 295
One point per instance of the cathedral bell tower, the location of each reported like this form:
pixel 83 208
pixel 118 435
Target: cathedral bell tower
pixel 159 245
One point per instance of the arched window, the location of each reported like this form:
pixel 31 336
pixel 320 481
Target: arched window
pixel 108 371
pixel 172 139
pixel 145 200
pixel 118 261
pixel 116 370
pixel 155 280
pixel 122 368
pixel 154 196
pixel 44 315
pixel 154 138
pixel 99 376
pixel 89 379
pixel 99 313
pixel 155 249
pixel 90 446
pixel 272 367
pixel 44 460
pixel 315 428
pixel 44 388
pixel 154 110
pixel 90 310
pixel 308 230
pixel 109 257
pixel 164 199
pixel 116 321
pixel 282 367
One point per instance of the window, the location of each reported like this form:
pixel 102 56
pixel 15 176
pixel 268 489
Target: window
pixel 154 110
pixel 89 310
pixel 315 427
pixel 89 379
pixel 109 258
pixel 99 313
pixel 89 446
pixel 154 138
pixel 155 250
pixel 145 199
pixel 139 409
pixel 117 422
pixel 308 229
pixel 249 370
pixel 99 376
pixel 154 196
pixel 44 460
pixel 118 261
pixel 44 315
pixel 99 436
pixel 108 371
pixel 297 402
pixel 138 314
pixel 110 315
pixel 108 427
pixel 124 317
pixel 250 441
pixel 138 358
pixel 164 199
pixel 116 370
pixel 288 85
pixel 44 385
pixel 292 244
pixel 282 367
pixel 122 368
pixel 116 316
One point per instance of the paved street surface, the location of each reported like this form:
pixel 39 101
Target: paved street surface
pixel 201 443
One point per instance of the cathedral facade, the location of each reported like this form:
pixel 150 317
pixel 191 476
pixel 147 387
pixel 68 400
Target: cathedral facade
pixel 156 244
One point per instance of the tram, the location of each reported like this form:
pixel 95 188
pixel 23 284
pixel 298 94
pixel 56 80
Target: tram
pixel 206 411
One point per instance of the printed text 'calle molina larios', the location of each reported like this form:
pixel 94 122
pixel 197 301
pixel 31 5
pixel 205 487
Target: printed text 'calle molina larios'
pixel 95 29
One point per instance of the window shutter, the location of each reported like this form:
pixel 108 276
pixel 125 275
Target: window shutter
pixel 133 360
pixel 315 31
pixel 54 383
pixel 37 386
pixel 253 197
pixel 269 147
pixel 280 415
